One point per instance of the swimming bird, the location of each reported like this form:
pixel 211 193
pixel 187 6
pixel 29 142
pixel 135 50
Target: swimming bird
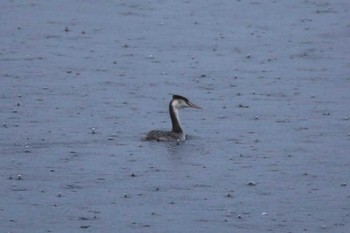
pixel 176 133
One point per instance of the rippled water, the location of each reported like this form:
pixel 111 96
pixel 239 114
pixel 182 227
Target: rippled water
pixel 81 87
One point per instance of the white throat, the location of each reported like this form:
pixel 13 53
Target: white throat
pixel 175 106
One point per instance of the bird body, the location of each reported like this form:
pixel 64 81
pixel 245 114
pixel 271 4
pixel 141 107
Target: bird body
pixel 176 133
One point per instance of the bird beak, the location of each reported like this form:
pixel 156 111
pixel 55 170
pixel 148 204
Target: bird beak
pixel 192 105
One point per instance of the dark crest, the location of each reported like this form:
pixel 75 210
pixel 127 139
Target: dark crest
pixel 180 97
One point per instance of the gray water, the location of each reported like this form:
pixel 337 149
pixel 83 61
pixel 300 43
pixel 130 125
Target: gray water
pixel 83 82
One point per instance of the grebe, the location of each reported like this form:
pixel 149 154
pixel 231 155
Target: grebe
pixel 176 134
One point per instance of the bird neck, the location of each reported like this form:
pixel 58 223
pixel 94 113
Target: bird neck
pixel 174 115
